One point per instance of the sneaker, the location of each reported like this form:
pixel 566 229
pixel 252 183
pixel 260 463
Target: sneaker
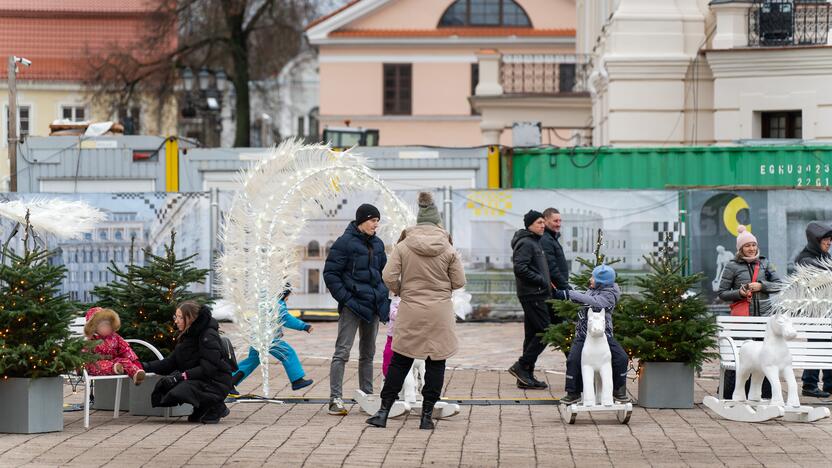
pixel 118 369
pixel 815 392
pixel 301 383
pixel 521 374
pixel 570 398
pixel 337 408
pixel 620 395
pixel 215 413
pixel 138 377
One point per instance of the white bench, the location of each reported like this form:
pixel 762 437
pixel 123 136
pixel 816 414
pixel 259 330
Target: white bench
pixel 805 354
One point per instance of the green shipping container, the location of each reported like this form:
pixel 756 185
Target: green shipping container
pixel 673 167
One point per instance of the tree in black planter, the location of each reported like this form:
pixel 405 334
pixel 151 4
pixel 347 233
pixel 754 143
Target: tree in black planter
pixel 669 322
pixel 35 339
pixel 146 297
pixel 560 334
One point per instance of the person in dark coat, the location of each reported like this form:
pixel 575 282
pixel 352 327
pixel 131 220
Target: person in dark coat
pixel 558 266
pixel 816 253
pixel 197 371
pixel 352 274
pixel 603 293
pixel 736 278
pixel 534 288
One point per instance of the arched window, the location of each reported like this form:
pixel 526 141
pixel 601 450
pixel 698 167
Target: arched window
pixel 313 250
pixel 485 13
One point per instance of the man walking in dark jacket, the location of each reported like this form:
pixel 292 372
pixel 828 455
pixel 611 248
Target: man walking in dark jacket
pixel 558 267
pixel 352 274
pixel 534 288
pixel 816 253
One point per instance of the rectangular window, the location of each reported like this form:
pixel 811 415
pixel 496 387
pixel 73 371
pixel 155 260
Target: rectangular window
pixel 313 283
pixel 475 80
pixel 131 119
pixel 397 88
pixel 73 113
pixel 782 124
pixel 24 119
pixel 301 129
pixel 566 77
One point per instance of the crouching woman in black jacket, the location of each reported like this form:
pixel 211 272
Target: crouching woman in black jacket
pixel 196 371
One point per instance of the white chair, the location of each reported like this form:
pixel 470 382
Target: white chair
pixel 89 379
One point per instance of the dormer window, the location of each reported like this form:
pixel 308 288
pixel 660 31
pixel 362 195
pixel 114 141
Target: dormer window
pixel 488 13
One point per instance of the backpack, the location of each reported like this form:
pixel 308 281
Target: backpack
pixel 229 355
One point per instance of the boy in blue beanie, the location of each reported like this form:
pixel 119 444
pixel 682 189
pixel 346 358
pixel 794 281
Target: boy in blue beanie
pixel 603 293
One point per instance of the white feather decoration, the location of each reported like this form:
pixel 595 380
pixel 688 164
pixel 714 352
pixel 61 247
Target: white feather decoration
pixel 261 232
pixel 807 292
pixel 61 218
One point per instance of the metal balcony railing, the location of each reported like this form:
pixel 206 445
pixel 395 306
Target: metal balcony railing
pixel 543 74
pixel 773 23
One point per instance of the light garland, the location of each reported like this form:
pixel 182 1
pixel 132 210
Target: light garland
pixel 279 195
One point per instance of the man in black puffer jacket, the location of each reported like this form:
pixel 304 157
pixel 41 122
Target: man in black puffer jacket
pixel 531 271
pixel 352 274
pixel 558 266
pixel 816 254
pixel 198 371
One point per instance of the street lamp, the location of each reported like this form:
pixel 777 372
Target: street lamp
pixel 221 79
pixel 188 79
pixel 204 79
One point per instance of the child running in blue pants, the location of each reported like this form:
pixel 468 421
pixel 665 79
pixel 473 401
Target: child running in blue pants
pixel 281 350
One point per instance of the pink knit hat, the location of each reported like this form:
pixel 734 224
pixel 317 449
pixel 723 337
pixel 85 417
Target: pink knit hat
pixel 744 237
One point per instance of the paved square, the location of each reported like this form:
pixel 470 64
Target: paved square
pixel 257 434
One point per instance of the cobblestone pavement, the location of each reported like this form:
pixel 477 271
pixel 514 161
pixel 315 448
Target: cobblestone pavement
pixel 513 435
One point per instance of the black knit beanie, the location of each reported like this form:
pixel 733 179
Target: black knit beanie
pixel 531 217
pixel 366 212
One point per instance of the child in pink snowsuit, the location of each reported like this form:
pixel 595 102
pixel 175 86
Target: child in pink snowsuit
pixel 117 356
pixel 387 356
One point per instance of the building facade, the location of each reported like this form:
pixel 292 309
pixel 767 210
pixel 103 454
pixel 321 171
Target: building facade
pixel 699 72
pixel 410 68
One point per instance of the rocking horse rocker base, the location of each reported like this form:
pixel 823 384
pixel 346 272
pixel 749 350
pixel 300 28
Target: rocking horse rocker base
pixel 622 411
pixel 743 411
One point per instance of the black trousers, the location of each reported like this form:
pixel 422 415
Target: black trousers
pixel 537 316
pixel 399 367
pixel 574 380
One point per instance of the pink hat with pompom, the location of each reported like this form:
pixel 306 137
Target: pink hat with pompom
pixel 744 237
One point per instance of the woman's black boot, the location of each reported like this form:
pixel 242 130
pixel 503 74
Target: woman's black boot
pixel 380 418
pixel 427 417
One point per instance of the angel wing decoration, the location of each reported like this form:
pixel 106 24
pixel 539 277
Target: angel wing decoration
pixel 279 195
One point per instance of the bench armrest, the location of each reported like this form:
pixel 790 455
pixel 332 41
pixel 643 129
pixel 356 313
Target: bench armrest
pixel 733 345
pixel 148 346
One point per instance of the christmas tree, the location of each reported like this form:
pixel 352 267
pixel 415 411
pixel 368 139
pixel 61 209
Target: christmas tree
pixel 35 339
pixel 560 334
pixel 669 322
pixel 146 296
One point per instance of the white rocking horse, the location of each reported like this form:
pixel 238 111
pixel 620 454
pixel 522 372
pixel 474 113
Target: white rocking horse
pixel 770 359
pixel 596 361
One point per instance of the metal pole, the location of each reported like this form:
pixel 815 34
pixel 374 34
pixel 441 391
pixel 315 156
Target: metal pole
pixel 12 125
pixel 449 207
pixel 215 211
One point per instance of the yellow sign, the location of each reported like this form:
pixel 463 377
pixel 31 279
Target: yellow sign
pixel 729 216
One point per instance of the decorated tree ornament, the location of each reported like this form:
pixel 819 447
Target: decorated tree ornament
pixel 280 194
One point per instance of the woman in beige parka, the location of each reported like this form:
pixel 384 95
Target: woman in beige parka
pixel 423 270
